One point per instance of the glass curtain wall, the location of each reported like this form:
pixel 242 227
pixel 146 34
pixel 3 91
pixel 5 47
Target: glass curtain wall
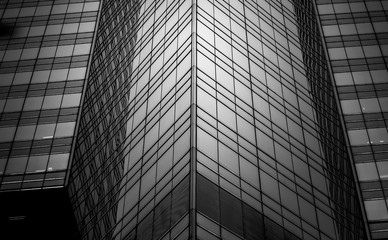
pixel 355 33
pixel 43 59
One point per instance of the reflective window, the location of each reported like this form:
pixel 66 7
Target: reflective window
pixel 45 131
pixel 16 165
pixel 33 103
pixel 65 129
pixel 29 53
pixel 25 133
pixel 369 105
pixel 76 73
pixel 51 102
pixel 47 52
pixel 376 209
pixel 378 135
pixel 337 53
pixel 350 107
pixel 58 162
pixel 383 170
pixel 71 100
pixel 342 79
pixel 58 75
pixel 367 171
pixel 6 79
pixel 362 77
pixel 37 163
pixel 358 137
pixel 7 134
pixel 14 105
pixel 22 78
pixel 40 76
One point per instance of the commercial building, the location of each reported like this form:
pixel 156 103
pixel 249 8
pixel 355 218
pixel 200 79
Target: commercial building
pixel 178 119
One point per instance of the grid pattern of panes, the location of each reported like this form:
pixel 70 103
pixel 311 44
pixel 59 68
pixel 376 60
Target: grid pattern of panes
pixel 356 37
pixel 42 70
pixel 132 154
pixel 265 103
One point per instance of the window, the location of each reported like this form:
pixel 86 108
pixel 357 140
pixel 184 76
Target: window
pixel 25 133
pixel 376 209
pixel 369 105
pixel 16 165
pixel 37 163
pixel 367 171
pixel 378 135
pixel 58 75
pixel 14 105
pixel 358 137
pixel 71 100
pixel 58 162
pixel 65 129
pixel 350 107
pixel 51 102
pixel 45 131
pixel 7 134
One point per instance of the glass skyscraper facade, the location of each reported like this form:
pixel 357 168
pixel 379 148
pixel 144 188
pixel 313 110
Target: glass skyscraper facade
pixel 356 37
pixel 194 119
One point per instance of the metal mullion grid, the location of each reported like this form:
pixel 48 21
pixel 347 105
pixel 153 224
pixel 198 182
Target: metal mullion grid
pixel 131 143
pixel 129 103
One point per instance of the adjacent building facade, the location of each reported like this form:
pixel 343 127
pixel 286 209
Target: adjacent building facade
pixel 194 119
pixel 356 37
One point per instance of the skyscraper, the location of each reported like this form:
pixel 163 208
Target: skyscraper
pixel 355 33
pixel 199 119
pixel 44 57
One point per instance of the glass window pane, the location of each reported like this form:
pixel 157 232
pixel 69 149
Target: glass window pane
pixel 64 51
pixel 25 133
pixel 383 170
pixel 71 100
pixel 384 104
pixel 51 102
pixel 376 209
pixel 22 78
pixel 58 162
pixel 16 165
pixel 228 158
pixel 70 28
pixel 369 105
pixel 58 75
pixel 367 171
pixel 6 79
pixel 37 163
pixel 7 134
pixel 208 200
pixel 81 49
pixel 47 52
pixel 231 212
pixel 14 105
pixel 40 76
pixel 358 137
pixel 45 131
pixel 350 107
pixel 76 73
pixel 343 79
pixel 378 135
pixel 65 129
pixel 33 103
pixel 362 77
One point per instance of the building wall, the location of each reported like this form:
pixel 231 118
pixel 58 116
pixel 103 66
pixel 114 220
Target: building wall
pixel 211 119
pixel 356 38
pixel 268 130
pixel 43 61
